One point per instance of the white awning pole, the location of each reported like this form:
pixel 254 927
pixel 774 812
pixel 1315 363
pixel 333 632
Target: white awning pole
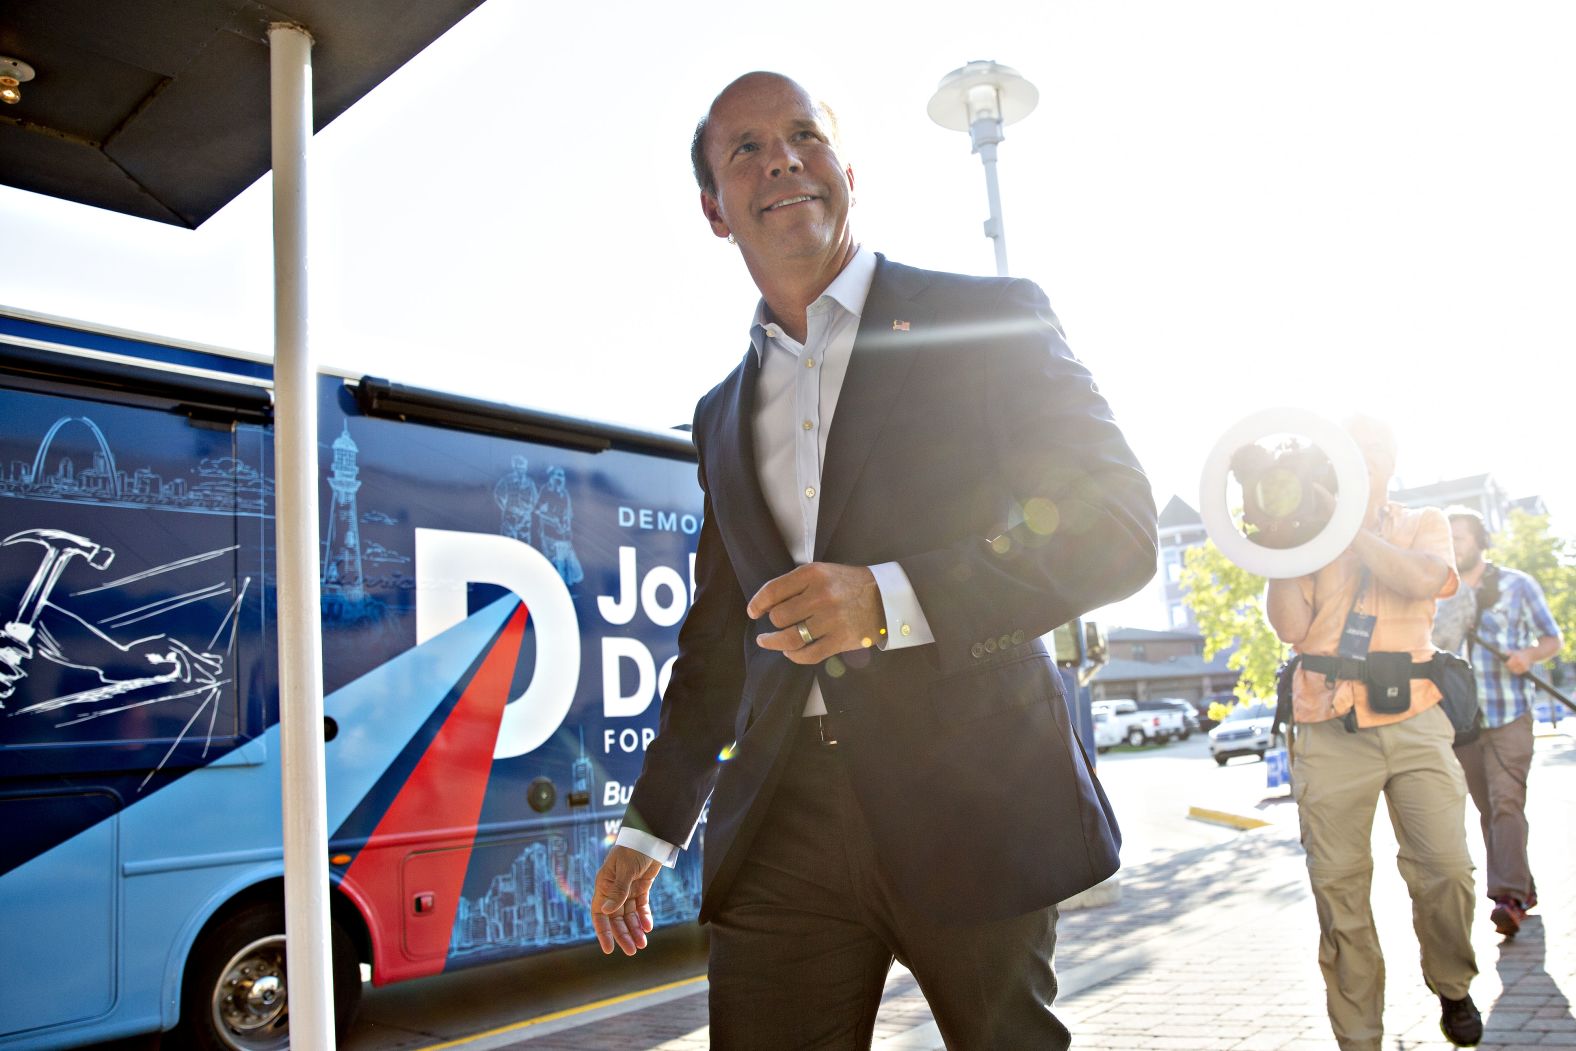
pixel 296 541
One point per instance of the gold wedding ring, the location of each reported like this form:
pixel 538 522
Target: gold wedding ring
pixel 804 633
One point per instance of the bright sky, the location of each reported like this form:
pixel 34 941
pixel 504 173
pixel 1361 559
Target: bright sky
pixel 1232 205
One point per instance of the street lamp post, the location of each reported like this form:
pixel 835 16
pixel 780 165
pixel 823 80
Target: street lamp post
pixel 982 98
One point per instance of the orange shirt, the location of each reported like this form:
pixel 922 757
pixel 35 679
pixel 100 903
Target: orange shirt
pixel 1403 625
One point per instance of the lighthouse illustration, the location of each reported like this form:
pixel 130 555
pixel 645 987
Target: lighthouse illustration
pixel 342 546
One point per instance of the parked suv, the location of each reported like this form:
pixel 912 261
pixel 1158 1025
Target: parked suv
pixel 1225 700
pixel 1245 731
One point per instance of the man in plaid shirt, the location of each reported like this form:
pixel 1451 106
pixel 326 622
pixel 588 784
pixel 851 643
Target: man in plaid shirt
pixel 1514 620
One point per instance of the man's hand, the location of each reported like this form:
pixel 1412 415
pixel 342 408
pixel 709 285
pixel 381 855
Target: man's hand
pixel 1520 662
pixel 840 606
pixel 621 901
pixel 15 651
pixel 187 662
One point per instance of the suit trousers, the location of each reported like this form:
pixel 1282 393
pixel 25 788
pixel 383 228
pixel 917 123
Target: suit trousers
pixel 1496 766
pixel 1337 778
pixel 801 946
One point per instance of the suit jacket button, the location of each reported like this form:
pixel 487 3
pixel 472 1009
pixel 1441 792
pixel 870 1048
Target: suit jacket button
pixel 1017 637
pixel 977 650
pixel 1004 642
pixel 990 645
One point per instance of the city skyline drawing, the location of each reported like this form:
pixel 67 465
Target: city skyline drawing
pixel 223 485
pixel 542 896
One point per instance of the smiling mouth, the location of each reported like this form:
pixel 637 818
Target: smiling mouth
pixel 801 199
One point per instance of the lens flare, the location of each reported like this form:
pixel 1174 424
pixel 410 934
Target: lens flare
pixel 1041 516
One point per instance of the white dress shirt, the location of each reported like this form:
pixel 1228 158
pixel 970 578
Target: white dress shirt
pixel 795 399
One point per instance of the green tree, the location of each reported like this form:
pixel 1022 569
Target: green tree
pixel 1527 544
pixel 1229 604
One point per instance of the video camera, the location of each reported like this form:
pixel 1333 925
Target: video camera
pixel 1287 494
pixel 1304 492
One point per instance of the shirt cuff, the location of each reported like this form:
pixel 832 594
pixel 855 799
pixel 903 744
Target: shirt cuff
pixel 906 623
pixel 649 845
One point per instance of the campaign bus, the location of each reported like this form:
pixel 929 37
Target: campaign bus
pixel 501 595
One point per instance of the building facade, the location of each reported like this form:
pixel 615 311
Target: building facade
pixel 1145 664
pixel 1479 492
pixel 1180 530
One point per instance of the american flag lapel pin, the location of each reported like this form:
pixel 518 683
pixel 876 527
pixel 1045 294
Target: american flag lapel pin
pixel 900 326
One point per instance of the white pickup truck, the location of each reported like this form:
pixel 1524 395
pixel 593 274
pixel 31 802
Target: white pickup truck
pixel 1119 720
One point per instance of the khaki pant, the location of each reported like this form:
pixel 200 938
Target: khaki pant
pixel 1336 779
pixel 1496 767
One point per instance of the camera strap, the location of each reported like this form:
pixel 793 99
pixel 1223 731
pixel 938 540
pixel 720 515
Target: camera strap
pixel 1357 631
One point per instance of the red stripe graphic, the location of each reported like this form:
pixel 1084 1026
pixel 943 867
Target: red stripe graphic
pixel 412 869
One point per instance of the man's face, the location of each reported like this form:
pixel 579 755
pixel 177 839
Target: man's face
pixel 781 190
pixel 1379 454
pixel 1468 553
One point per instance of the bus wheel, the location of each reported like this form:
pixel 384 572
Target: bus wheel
pixel 236 997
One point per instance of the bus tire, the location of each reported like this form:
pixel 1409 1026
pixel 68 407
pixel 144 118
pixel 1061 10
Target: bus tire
pixel 234 995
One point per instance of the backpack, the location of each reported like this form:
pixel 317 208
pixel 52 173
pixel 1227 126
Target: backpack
pixel 1458 695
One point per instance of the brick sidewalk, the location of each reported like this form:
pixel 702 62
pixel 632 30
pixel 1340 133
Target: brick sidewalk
pixel 1214 949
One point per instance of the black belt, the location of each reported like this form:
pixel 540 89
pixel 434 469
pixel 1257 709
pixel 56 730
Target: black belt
pixel 820 729
pixel 1355 668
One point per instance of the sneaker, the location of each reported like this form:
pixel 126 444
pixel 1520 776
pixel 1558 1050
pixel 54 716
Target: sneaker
pixel 1507 916
pixel 1460 1022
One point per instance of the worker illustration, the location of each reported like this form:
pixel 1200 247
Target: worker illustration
pixel 555 520
pixel 516 496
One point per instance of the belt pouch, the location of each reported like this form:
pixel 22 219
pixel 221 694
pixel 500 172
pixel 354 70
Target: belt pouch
pixel 1389 682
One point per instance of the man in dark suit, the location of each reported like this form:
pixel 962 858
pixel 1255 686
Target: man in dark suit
pixel 861 689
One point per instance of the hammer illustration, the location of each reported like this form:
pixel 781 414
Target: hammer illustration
pixel 59 548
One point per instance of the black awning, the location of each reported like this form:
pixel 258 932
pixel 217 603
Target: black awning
pixel 159 108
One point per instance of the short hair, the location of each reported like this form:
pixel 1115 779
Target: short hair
pixel 706 179
pixel 703 175
pixel 1372 434
pixel 1474 520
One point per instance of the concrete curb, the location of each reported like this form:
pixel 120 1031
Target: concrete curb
pixel 1221 817
pixel 517 1033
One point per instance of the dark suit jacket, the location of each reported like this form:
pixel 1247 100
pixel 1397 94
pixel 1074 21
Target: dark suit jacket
pixel 971 447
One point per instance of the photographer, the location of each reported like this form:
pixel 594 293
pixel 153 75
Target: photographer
pixel 1367 720
pixel 1513 631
